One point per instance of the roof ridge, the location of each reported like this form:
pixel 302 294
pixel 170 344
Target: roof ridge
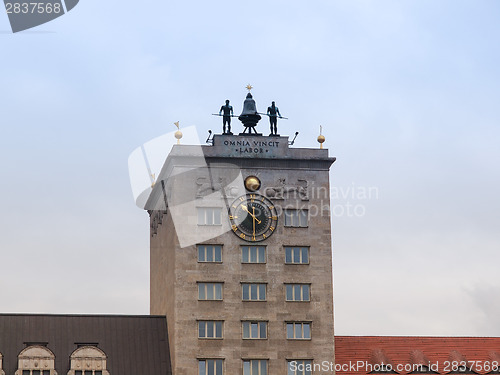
pixel 85 315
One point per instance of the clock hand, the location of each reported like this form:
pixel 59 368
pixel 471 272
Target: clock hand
pixel 252 215
pixel 253 222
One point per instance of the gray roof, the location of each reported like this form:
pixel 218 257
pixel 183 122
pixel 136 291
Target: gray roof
pixel 133 344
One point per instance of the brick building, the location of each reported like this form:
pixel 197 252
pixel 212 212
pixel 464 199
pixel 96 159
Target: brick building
pixel 417 355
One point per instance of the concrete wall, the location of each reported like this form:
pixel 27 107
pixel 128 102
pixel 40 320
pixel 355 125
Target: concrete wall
pixel 175 271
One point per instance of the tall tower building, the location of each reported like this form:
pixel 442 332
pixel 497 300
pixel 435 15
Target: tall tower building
pixel 241 257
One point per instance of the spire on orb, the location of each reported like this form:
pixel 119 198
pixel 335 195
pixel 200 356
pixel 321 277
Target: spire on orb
pixel 178 133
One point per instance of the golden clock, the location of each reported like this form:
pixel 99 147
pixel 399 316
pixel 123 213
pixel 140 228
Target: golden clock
pixel 253 217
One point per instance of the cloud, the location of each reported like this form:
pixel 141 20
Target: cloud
pixel 486 298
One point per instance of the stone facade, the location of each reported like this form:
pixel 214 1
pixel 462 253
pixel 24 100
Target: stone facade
pixel 291 178
pixel 36 358
pixel 88 358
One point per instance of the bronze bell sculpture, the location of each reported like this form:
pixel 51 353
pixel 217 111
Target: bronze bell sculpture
pixel 249 116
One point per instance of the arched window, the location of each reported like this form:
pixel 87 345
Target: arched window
pixel 88 360
pixel 1 365
pixel 36 360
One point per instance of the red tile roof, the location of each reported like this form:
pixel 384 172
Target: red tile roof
pixel 360 354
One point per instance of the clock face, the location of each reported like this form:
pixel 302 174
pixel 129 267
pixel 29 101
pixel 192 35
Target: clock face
pixel 253 217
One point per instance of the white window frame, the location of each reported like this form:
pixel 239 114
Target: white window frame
pixel 297 258
pixel 299 362
pixel 254 292
pixel 203 251
pixel 250 324
pixel 206 327
pixel 296 218
pixel 209 216
pixel 204 363
pixel 301 326
pixel 206 285
pixel 259 256
pixel 301 297
pixel 249 366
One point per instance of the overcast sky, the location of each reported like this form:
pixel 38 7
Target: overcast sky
pixel 407 93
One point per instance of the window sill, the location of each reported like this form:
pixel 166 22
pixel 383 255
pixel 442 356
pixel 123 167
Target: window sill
pixel 253 262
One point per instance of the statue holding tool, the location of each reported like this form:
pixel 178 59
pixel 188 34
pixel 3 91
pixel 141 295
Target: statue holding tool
pixel 249 116
pixel 273 112
pixel 226 117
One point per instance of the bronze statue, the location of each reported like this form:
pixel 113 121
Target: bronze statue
pixel 273 112
pixel 226 118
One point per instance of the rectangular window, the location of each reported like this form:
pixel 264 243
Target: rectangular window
pixel 253 254
pixel 254 292
pixel 210 253
pixel 209 216
pixel 210 329
pixel 298 292
pixel 299 367
pixel 210 367
pixel 296 255
pixel 255 330
pixel 255 367
pixel 210 291
pixel 296 218
pixel 298 331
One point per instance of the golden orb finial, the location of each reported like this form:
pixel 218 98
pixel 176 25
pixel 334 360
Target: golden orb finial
pixel 249 87
pixel 321 137
pixel 252 183
pixel 178 133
